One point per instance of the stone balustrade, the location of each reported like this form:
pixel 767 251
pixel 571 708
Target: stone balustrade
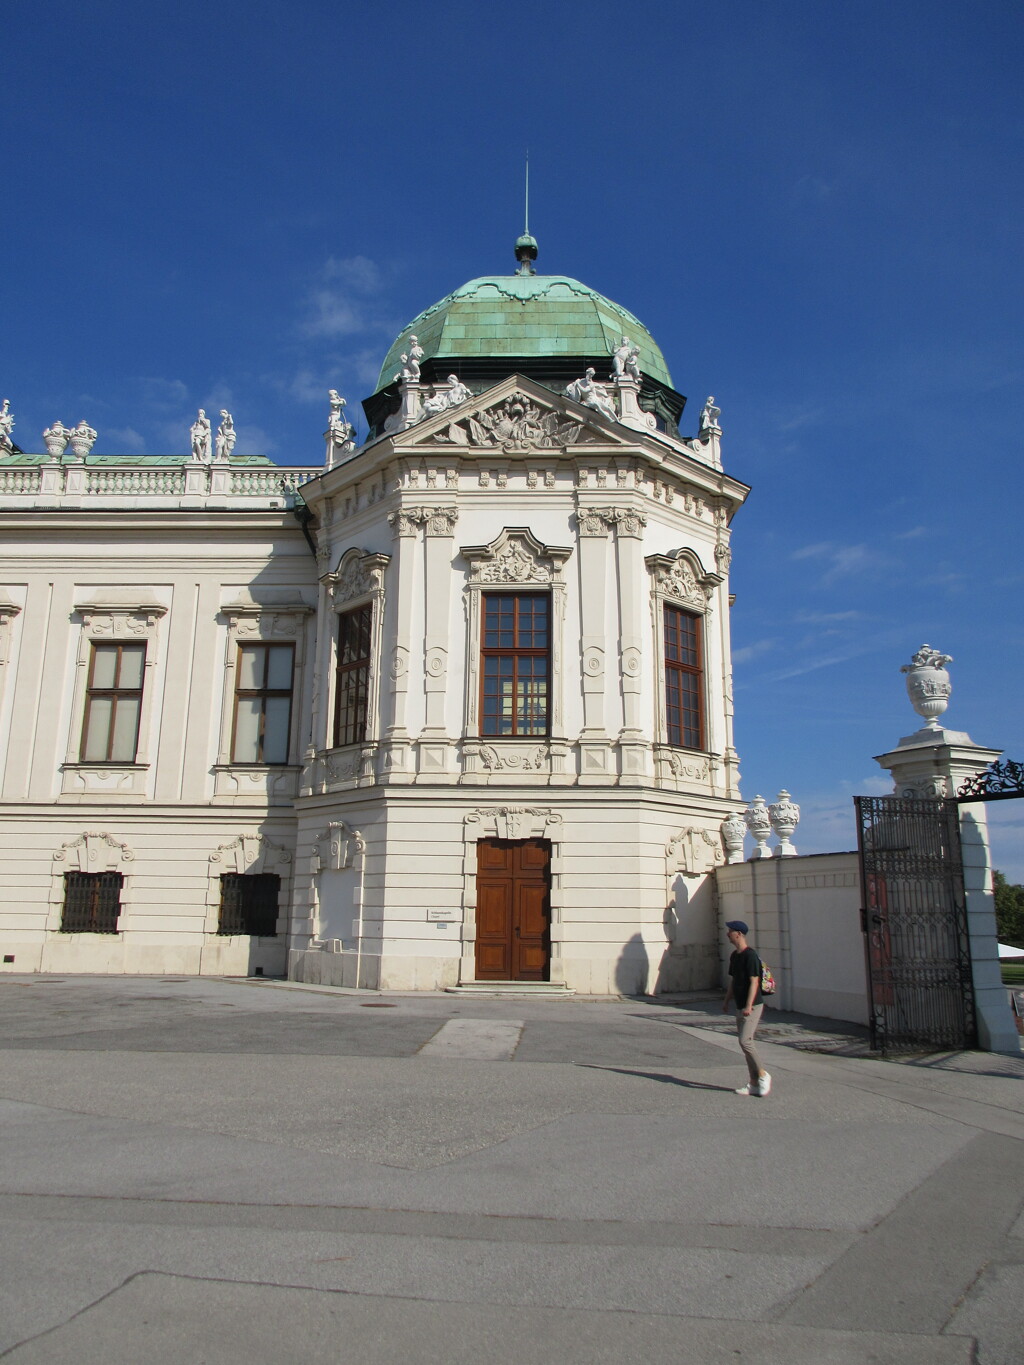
pixel 53 484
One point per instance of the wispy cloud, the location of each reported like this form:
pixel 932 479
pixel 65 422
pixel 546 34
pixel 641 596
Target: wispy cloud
pixel 345 299
pixel 813 189
pixel 840 655
pixel 753 651
pixel 131 441
pixel 843 561
pixel 915 533
pixel 827 618
pixel 798 418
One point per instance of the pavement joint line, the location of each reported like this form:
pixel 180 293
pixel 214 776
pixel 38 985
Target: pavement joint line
pixel 460 1226
pixel 649 1312
pixel 847 1295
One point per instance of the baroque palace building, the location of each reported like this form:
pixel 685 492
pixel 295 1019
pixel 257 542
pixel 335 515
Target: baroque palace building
pixel 450 708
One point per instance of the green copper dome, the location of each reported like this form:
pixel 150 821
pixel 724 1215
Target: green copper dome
pixel 524 315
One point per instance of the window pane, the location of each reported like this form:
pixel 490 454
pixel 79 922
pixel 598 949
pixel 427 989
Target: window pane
pixel 94 743
pixel 250 667
pixel 126 728
pixel 279 670
pixel 354 636
pixel 104 665
pixel 247 730
pixel 275 729
pixel 133 658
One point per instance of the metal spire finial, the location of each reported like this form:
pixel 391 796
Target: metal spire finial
pixel 526 246
pixel 526 227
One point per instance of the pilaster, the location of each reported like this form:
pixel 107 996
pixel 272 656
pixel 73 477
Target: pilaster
pixel 597 766
pixel 435 749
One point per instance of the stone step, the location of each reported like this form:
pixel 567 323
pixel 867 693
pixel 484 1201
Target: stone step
pixel 507 988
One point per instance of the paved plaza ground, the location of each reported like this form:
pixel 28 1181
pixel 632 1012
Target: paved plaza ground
pixel 198 1172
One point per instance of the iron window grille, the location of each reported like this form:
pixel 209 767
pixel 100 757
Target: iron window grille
pixel 263 703
pixel 684 679
pixel 248 904
pixel 113 703
pixel 353 676
pixel 516 657
pixel 92 902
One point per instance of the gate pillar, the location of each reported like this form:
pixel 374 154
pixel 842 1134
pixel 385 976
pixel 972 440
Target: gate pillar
pixel 935 762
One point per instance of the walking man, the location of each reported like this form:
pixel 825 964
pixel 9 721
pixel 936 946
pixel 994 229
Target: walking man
pixel 745 990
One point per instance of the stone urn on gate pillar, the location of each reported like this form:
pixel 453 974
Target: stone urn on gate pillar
pixel 928 684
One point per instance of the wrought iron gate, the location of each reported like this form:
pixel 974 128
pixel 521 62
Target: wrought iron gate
pixel 914 918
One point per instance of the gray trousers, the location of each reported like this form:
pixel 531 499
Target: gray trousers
pixel 746 1027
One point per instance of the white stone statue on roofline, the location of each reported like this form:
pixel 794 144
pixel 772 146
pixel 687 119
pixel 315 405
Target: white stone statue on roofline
pixel 410 371
pixel 443 399
pixel 592 395
pixel 6 425
pixel 626 361
pixel 225 436
pixel 709 418
pixel 200 432
pixel 340 431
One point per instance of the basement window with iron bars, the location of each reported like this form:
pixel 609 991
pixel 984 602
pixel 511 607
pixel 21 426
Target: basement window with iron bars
pixel 92 902
pixel 248 904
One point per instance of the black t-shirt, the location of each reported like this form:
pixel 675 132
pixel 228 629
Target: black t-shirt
pixel 742 967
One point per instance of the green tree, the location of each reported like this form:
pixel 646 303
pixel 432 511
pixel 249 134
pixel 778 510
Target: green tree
pixel 1009 911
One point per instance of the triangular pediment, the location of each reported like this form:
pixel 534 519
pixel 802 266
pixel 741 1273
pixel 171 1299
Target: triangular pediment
pixel 516 414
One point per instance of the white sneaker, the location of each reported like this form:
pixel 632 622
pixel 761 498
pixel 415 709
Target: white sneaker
pixel 748 1089
pixel 764 1085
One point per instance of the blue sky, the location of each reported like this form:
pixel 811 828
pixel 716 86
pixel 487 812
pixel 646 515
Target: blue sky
pixel 815 208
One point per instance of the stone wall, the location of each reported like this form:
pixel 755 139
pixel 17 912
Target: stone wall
pixel 804 917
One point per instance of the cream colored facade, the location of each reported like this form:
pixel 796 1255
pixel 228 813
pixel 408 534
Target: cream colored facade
pixel 98 563
pixel 519 489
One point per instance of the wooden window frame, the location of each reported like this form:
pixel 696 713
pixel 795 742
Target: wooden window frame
pixel 516 651
pixel 357 728
pixel 676 687
pixel 114 694
pixel 264 693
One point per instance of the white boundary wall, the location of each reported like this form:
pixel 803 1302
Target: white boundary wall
pixel 804 917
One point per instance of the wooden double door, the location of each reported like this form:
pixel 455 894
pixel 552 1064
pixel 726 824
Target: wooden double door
pixel 513 910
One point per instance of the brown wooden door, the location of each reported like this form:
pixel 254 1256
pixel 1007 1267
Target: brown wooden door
pixel 513 910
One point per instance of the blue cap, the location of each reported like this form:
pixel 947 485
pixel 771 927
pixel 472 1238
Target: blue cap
pixel 738 925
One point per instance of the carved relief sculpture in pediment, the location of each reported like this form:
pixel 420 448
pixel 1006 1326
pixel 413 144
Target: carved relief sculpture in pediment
pixel 516 556
pixel 515 423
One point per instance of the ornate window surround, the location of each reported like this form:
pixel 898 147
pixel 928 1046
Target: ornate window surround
pixel 515 559
pixel 91 852
pixel 338 847
pixel 357 580
pixel 680 580
pixel 273 623
pixel 248 853
pixel 510 822
pixel 108 616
